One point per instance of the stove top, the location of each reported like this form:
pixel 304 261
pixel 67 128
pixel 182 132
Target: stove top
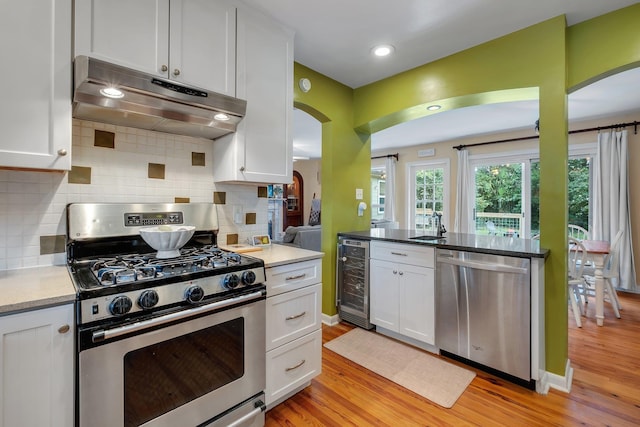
pixel 118 276
pixel 118 270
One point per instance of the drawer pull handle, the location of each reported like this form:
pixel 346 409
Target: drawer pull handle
pixel 295 367
pixel 399 253
pixel 299 276
pixel 295 316
pixel 64 329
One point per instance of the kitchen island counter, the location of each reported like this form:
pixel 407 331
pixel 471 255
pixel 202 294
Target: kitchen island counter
pixel 495 245
pixel 31 288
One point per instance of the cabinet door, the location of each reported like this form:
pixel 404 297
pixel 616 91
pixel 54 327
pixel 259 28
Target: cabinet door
pixel 37 354
pixel 292 365
pixel 416 305
pixel 384 295
pixel 35 109
pixel 260 151
pixel 293 314
pixel 203 44
pixel 134 34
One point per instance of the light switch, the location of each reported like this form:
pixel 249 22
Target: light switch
pixel 359 194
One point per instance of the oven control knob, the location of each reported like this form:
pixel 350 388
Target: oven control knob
pixel 194 294
pixel 248 277
pixel 148 299
pixel 231 281
pixel 120 305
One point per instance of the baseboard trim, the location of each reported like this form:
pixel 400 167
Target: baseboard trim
pixel 330 320
pixel 550 380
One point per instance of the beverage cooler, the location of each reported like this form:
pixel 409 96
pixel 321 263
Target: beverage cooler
pixel 352 279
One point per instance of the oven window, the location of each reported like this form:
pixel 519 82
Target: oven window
pixel 164 376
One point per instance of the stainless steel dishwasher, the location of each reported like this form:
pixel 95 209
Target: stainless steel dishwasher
pixel 483 311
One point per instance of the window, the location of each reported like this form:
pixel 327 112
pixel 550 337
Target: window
pixel 507 191
pixel 428 193
pixel 378 176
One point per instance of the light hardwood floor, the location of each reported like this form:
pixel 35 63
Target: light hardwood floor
pixel 605 390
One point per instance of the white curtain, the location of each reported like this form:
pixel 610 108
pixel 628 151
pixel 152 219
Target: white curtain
pixel 611 200
pixel 390 189
pixel 463 209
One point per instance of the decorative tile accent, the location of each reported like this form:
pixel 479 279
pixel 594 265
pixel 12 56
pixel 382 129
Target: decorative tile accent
pixel 52 244
pixel 104 139
pixel 262 191
pixel 219 197
pixel 232 239
pixel 181 200
pixel 197 159
pixel 79 175
pixel 156 170
pixel 250 218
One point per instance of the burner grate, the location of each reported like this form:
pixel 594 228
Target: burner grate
pixel 139 267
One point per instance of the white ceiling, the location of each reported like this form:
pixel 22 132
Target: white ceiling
pixel 334 37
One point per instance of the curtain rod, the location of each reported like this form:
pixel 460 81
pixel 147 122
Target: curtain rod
pixel 388 155
pixel 524 138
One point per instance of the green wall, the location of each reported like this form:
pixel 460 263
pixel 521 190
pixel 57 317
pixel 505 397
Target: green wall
pixel 547 58
pixel 345 166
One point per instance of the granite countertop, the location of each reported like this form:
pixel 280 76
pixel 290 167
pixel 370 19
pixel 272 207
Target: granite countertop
pixel 495 245
pixel 31 288
pixel 274 255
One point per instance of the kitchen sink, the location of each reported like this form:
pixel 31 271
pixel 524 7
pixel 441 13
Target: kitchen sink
pixel 428 237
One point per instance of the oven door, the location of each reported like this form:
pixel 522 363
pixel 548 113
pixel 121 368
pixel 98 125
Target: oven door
pixel 197 367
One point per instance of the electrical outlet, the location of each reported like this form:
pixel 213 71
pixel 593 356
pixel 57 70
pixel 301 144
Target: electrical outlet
pixel 359 194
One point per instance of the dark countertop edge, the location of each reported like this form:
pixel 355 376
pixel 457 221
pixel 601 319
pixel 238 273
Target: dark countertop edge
pixel 543 253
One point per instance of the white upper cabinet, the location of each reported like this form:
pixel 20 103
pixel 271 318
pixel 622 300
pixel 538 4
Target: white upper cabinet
pixel 35 108
pixel 189 41
pixel 261 150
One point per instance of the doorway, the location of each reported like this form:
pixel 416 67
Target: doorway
pixel 294 201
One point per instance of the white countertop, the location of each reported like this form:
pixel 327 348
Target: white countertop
pixel 274 255
pixel 29 288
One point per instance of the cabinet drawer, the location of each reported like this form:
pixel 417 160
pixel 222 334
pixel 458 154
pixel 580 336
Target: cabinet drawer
pixel 293 314
pixel 289 277
pixel 422 256
pixel 292 365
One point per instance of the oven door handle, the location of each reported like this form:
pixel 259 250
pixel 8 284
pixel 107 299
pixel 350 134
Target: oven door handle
pixel 104 335
pixel 259 408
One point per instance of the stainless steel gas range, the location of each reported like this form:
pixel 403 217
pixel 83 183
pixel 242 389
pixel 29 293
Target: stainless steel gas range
pixel 164 342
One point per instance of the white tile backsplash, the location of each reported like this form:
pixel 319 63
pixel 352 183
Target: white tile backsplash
pixel 32 204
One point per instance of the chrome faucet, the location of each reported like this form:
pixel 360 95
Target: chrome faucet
pixel 437 223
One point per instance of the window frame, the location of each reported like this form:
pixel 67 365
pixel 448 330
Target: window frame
pixel 411 167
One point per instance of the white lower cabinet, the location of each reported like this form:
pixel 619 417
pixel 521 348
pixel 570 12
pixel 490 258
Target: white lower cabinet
pixel 402 289
pixel 293 365
pixel 37 359
pixel 294 328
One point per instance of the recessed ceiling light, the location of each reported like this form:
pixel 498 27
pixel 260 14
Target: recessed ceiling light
pixel 221 116
pixel 434 107
pixel 383 50
pixel 112 92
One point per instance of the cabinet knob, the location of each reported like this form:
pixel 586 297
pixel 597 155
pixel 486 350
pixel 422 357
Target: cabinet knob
pixel 176 72
pixel 401 273
pixel 395 271
pixel 343 259
pixel 62 152
pixel 64 329
pixel 242 168
pixel 164 68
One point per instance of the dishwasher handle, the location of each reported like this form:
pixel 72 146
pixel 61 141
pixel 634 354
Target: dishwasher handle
pixel 480 265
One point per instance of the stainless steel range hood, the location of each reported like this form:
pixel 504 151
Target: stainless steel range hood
pixel 149 102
